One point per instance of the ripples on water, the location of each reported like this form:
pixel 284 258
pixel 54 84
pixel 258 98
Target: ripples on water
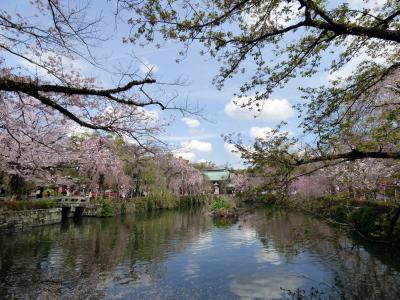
pixel 186 255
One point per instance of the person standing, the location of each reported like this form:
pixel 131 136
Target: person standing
pixel 39 193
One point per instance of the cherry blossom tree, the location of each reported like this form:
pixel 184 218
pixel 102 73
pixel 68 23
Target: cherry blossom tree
pixel 247 182
pixel 181 177
pixel 311 186
pixel 367 179
pixel 99 165
pixel 43 94
pixel 32 144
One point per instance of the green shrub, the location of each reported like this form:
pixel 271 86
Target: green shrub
pixel 365 219
pixel 140 204
pixel 149 204
pixel 27 205
pixel 271 199
pixel 186 201
pixel 123 209
pixel 220 203
pixel 166 201
pixel 49 191
pixel 369 218
pixel 107 210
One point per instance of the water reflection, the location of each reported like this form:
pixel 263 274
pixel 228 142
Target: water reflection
pixel 185 255
pixel 268 255
pixel 264 288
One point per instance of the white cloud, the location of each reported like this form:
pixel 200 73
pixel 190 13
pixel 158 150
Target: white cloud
pixel 268 110
pixel 189 148
pixel 195 145
pixel 259 132
pixel 185 138
pixel 185 155
pixel 361 4
pixel 148 114
pixel 266 133
pixel 231 149
pixel 147 67
pixel 192 123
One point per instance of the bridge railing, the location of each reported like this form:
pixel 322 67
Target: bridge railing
pixel 74 199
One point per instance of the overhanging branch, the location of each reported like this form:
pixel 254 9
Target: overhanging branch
pixel 350 156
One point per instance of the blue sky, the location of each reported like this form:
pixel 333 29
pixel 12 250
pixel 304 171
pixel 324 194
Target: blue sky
pixel 195 138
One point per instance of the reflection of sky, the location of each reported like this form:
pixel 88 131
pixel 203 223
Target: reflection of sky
pixel 204 242
pixel 241 236
pixel 264 288
pixel 201 263
pixel 191 270
pixel 54 262
pixel 268 256
pixel 232 263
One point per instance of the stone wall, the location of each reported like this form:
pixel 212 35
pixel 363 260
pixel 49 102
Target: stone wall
pixel 29 218
pixel 92 210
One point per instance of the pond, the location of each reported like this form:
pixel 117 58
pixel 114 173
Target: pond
pixel 186 255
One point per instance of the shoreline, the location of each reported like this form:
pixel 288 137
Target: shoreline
pixel 12 220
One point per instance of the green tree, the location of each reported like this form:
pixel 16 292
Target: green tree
pixel 353 117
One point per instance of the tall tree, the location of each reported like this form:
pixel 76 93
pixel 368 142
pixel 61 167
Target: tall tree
pixel 297 38
pixel 44 95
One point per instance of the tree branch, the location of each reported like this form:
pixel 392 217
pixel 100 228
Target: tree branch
pixel 29 87
pixel 350 156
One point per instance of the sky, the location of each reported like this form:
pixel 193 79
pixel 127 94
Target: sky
pixel 195 137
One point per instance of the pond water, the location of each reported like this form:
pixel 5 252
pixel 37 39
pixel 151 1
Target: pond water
pixel 187 255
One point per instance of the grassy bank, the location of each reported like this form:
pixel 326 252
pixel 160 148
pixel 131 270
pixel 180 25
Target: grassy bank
pixel 167 202
pixel 377 221
pixel 223 207
pixel 372 220
pixel 111 207
pixel 27 205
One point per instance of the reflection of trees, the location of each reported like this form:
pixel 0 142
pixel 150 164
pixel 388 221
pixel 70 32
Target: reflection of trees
pixel 358 271
pixel 84 261
pixel 79 261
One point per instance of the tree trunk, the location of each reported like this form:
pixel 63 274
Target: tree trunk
pixel 101 184
pixel 16 185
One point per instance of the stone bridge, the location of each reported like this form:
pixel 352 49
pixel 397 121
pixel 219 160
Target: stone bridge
pixel 73 201
pixel 73 206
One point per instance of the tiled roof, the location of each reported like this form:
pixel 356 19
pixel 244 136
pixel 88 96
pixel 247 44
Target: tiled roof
pixel 217 175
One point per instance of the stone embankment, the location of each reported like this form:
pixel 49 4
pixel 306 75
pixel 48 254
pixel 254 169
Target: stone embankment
pixel 21 219
pixel 16 215
pixel 29 218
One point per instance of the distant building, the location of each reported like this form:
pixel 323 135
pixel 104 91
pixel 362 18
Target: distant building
pixel 220 179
